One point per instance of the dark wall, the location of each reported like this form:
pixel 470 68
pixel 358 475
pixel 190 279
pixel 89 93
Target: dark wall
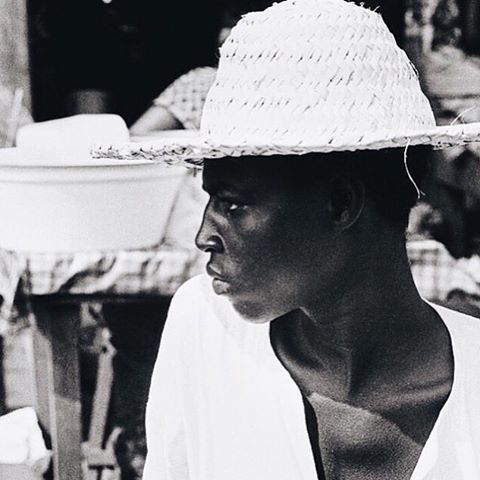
pixel 124 51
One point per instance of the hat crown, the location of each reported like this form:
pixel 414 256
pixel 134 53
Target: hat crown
pixel 310 72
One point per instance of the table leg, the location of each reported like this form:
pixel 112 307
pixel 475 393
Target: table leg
pixel 2 381
pixel 57 380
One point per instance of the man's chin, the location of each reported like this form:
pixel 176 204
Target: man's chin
pixel 253 313
pixel 252 310
pixel 220 287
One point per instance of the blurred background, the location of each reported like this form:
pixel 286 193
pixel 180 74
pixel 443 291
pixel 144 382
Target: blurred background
pixel 114 55
pixel 59 59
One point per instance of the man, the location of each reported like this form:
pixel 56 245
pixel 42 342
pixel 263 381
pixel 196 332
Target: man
pixel 310 354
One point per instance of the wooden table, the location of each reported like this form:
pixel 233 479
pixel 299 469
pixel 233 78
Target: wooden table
pixel 51 289
pixel 57 373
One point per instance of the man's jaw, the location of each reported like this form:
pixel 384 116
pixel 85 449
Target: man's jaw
pixel 252 308
pixel 255 310
pixel 220 287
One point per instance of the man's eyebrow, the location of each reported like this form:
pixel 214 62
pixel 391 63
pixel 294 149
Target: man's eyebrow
pixel 221 189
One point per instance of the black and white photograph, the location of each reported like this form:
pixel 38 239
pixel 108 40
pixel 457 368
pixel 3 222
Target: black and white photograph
pixel 240 240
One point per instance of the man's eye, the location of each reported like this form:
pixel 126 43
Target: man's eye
pixel 229 206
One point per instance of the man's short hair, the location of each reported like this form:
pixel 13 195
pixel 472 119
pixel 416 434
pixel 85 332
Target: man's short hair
pixel 388 179
pixel 383 172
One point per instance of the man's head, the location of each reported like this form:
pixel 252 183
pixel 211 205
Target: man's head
pixel 281 230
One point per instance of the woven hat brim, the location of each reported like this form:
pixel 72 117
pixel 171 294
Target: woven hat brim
pixel 192 147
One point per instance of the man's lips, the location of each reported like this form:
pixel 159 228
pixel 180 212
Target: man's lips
pixel 214 273
pixel 219 283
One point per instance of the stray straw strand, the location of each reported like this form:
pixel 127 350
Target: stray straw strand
pixel 462 114
pixel 405 162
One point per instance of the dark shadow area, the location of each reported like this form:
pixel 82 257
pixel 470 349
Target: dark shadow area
pixel 136 330
pixel 114 55
pixel 2 380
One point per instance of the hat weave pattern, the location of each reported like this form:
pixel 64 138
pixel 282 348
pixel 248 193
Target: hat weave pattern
pixel 308 76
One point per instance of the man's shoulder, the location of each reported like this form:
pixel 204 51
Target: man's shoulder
pixel 187 317
pixel 193 290
pixel 189 301
pixel 204 313
pixel 196 303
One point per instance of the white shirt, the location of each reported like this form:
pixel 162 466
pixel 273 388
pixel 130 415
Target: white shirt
pixel 222 407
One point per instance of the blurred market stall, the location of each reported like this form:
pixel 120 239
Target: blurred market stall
pixel 130 53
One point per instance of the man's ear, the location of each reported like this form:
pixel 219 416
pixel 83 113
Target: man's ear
pixel 346 202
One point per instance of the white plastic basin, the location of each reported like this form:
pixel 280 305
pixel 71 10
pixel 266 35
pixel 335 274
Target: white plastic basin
pixel 88 205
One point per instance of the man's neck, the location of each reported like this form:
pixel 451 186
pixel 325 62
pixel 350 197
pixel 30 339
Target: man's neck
pixel 374 324
pixel 372 358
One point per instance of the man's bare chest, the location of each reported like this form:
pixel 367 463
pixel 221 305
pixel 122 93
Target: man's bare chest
pixel 378 433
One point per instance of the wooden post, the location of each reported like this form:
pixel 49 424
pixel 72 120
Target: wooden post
pixel 2 381
pixel 58 384
pixel 14 60
pixel 15 95
pixel 18 370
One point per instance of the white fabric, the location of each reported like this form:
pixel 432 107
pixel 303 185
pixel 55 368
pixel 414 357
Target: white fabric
pixel 21 440
pixel 222 407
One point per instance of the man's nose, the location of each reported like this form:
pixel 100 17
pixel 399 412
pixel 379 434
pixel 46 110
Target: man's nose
pixel 207 238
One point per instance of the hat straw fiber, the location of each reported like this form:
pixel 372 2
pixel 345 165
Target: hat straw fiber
pixel 307 76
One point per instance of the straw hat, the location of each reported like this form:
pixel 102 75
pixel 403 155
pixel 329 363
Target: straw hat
pixel 307 76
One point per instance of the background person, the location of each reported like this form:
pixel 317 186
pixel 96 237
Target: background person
pixel 180 105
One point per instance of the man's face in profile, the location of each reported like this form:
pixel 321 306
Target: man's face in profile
pixel 269 238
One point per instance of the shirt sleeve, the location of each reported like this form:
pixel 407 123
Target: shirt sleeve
pixel 166 442
pixel 186 96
